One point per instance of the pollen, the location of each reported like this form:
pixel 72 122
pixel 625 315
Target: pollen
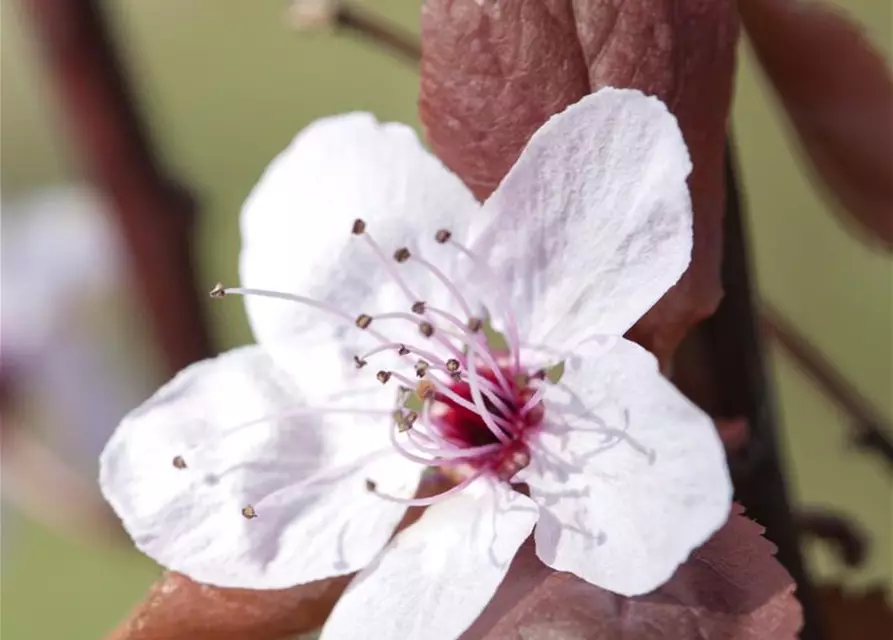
pixel 426 390
pixel 248 512
pixel 426 329
pixel 363 321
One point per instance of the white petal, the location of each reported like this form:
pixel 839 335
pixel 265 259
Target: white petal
pixel 593 223
pixel 644 480
pixel 296 230
pixel 440 573
pixel 247 438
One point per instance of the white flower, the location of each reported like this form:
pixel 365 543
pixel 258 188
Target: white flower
pixel 368 269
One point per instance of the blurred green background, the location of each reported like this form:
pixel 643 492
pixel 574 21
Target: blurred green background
pixel 225 85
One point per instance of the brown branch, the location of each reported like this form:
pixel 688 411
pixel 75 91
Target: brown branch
pixel 153 213
pixel 348 18
pixel 870 429
pixel 846 538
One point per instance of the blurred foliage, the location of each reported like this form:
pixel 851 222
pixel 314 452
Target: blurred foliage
pixel 225 85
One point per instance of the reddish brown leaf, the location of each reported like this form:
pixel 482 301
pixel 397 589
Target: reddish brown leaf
pixel 730 589
pixel 493 71
pixel 848 614
pixel 180 609
pixel 838 93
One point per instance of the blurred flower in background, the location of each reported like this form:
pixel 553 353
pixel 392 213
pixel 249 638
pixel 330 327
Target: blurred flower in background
pixel 63 370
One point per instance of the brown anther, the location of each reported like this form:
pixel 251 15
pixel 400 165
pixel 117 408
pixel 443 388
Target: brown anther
pixel 421 368
pixel 426 390
pixel 359 227
pixel 402 350
pixel 443 236
pixel 359 362
pixel 402 254
pixel 419 307
pixel 179 462
pixel 363 321
pixel 475 324
pixel 218 291
pixel 452 365
pixel 408 420
pixel 370 485
pixel 399 419
pixel 248 512
pixel 426 329
pixel 383 376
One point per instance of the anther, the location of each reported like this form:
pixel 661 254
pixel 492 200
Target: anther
pixel 363 321
pixel 419 307
pixel 359 227
pixel 179 462
pixel 402 350
pixel 426 390
pixel 359 362
pixel 475 324
pixel 402 254
pixel 421 368
pixel 248 512
pixel 452 365
pixel 443 236
pixel 218 291
pixel 371 486
pixel 426 329
pixel 383 376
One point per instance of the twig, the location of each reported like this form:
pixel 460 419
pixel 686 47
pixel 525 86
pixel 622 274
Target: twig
pixel 345 16
pixel 845 536
pixel 870 428
pixel 154 214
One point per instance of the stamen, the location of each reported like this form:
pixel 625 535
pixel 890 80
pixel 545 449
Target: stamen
pixel 452 365
pixel 179 462
pixel 421 368
pixel 402 254
pixel 360 320
pixel 426 329
pixel 443 236
pixel 402 350
pixel 426 390
pixel 477 396
pixel 218 291
pixel 359 362
pixel 248 512
pixel 475 324
pixel 370 485
pixel 359 227
pixel 418 308
pixel 422 502
pixel 533 401
pixel 383 376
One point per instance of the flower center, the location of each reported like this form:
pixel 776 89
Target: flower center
pixel 465 403
pixel 457 423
